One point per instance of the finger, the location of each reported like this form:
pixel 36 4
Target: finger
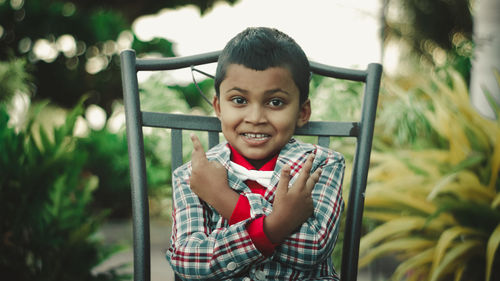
pixel 313 179
pixel 304 172
pixel 284 181
pixel 196 143
pixel 198 156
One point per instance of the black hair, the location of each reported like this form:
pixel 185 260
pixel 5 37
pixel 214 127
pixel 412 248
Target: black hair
pixel 260 48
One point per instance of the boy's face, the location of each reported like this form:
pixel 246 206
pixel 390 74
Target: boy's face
pixel 259 111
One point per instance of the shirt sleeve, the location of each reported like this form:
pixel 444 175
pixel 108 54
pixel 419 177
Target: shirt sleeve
pixel 256 231
pixel 313 243
pixel 201 248
pixel 255 228
pixel 241 211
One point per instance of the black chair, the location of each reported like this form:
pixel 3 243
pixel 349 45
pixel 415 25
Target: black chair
pixel 136 119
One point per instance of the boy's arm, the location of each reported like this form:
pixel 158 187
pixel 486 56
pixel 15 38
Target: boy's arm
pixel 314 241
pixel 292 206
pixel 200 249
pixel 209 181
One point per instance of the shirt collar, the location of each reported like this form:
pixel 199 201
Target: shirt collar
pixel 240 160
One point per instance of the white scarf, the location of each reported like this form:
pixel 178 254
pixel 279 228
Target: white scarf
pixel 261 177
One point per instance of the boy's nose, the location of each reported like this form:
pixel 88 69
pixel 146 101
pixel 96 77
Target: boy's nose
pixel 255 115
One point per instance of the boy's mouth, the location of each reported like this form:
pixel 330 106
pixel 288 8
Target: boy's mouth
pixel 256 137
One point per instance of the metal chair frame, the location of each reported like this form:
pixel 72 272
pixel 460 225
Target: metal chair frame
pixel 136 119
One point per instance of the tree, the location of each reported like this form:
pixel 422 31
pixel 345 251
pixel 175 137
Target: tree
pixel 73 46
pixel 436 32
pixel 462 33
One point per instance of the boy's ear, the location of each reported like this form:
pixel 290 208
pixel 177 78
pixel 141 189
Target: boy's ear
pixel 304 113
pixel 216 105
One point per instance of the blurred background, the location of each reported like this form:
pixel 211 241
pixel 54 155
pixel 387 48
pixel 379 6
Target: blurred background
pixel 432 203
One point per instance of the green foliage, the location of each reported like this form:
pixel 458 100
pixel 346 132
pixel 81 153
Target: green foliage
pixel 159 96
pixel 96 28
pixel 333 99
pixel 192 94
pixel 152 46
pixel 108 160
pixel 431 32
pixel 13 77
pixel 439 197
pixel 156 96
pixel 107 24
pixel 47 230
pixel 402 115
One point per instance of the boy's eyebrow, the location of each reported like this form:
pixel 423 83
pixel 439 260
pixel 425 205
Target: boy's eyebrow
pixel 277 90
pixel 268 92
pixel 238 89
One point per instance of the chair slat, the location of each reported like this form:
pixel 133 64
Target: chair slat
pixel 213 139
pixel 211 123
pixel 329 129
pixel 176 62
pixel 180 121
pixel 176 148
pixel 324 141
pixel 160 64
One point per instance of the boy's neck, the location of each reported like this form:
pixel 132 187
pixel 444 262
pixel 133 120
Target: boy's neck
pixel 266 164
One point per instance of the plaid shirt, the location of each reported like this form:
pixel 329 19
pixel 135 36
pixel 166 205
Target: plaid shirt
pixel 205 247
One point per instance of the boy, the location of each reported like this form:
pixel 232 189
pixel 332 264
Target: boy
pixel 261 206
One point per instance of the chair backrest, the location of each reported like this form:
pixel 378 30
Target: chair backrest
pixel 362 130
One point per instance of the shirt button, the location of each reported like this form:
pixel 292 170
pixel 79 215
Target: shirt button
pixel 231 266
pixel 260 275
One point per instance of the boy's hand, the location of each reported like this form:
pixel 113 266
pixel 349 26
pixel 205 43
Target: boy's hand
pixel 206 176
pixel 209 181
pixel 292 206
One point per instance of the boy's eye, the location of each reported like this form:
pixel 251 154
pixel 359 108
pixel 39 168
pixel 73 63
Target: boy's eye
pixel 276 102
pixel 239 100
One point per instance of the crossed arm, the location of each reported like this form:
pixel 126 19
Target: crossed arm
pixel 291 207
pixel 302 217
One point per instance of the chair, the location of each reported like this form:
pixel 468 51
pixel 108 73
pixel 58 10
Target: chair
pixel 136 119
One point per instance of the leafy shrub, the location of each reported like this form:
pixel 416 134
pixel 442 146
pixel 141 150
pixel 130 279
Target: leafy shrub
pixel 108 160
pixel 435 202
pixel 13 77
pixel 47 230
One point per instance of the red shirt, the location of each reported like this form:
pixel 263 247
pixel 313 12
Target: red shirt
pixel 242 210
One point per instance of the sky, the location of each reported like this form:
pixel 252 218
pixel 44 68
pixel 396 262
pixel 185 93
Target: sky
pixel 342 33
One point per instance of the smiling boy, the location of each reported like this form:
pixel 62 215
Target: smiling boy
pixel 262 205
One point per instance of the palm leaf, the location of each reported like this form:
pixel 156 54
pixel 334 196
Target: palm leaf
pixel 453 258
pixel 459 273
pixel 491 249
pixel 469 214
pixel 417 261
pixel 406 245
pixel 495 162
pixel 446 241
pixel 386 197
pixel 496 202
pixel 45 142
pixel 464 185
pixel 381 215
pixel 411 185
pixel 403 225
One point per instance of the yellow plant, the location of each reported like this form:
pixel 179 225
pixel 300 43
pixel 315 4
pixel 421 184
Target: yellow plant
pixel 437 208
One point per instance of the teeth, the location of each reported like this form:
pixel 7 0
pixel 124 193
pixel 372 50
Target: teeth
pixel 256 136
